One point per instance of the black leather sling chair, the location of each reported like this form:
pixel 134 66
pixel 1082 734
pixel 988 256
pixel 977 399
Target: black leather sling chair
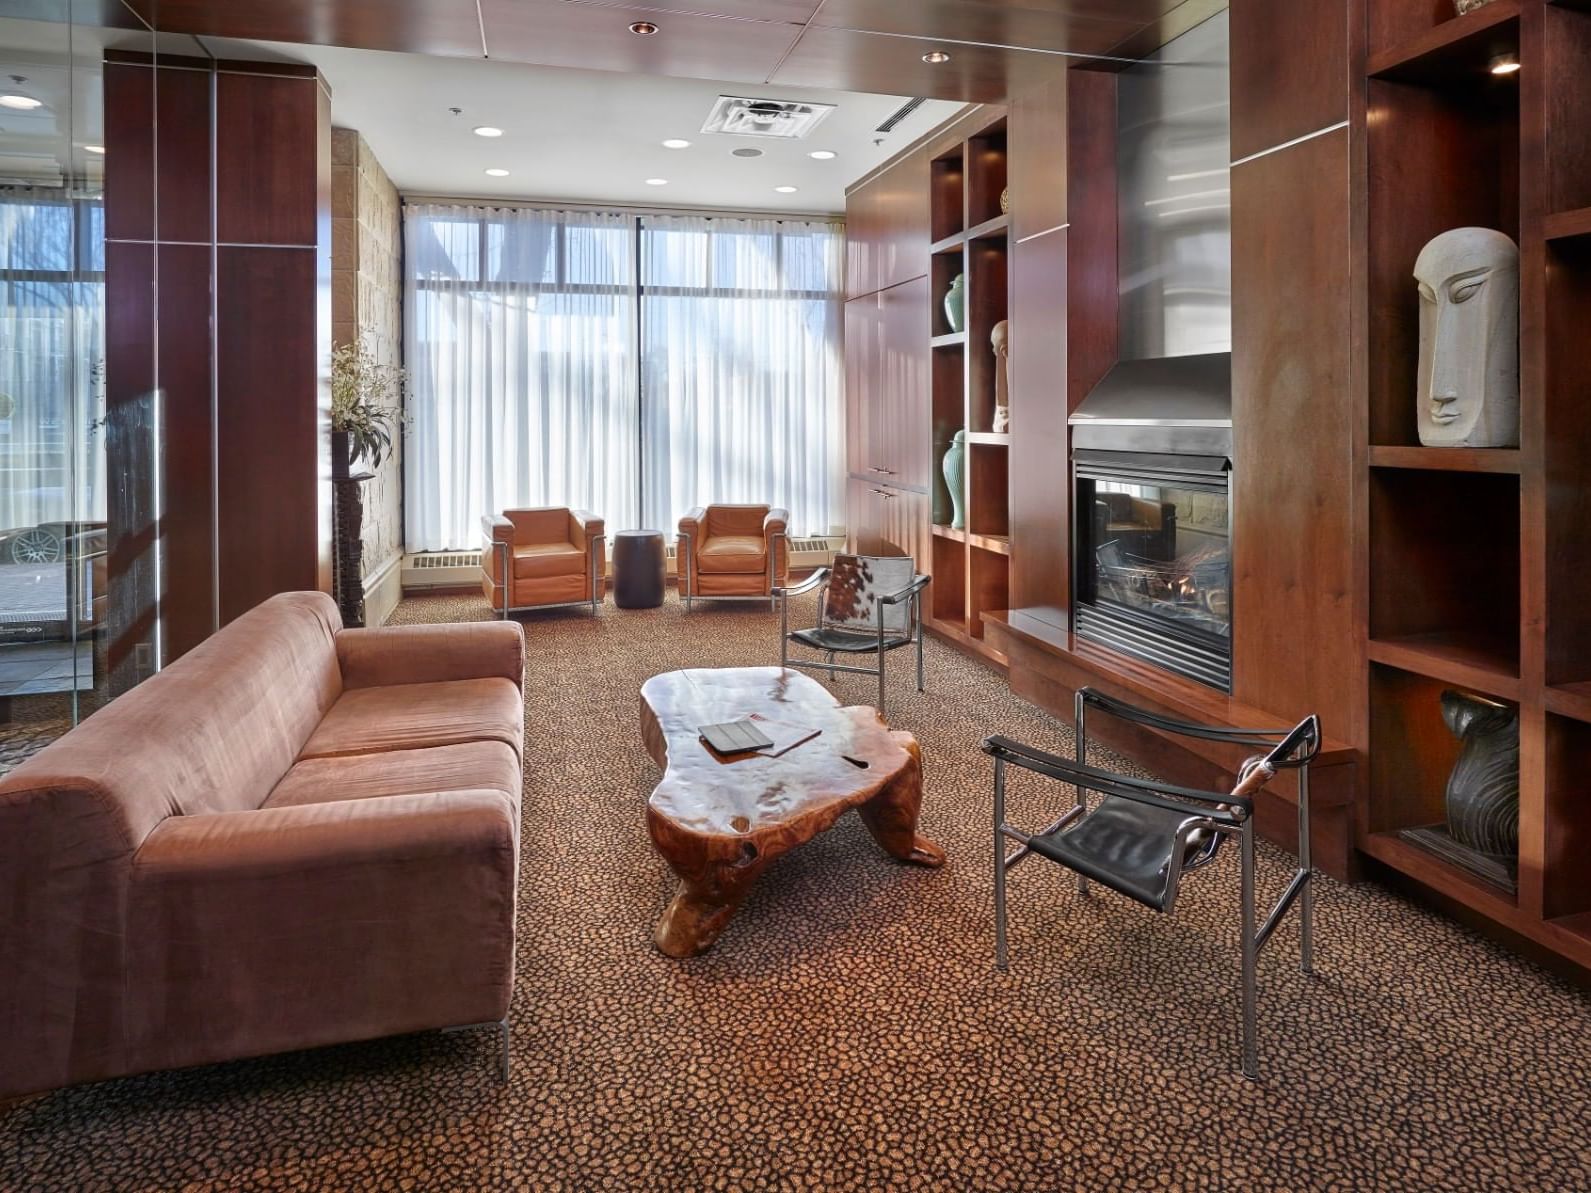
pixel 1142 837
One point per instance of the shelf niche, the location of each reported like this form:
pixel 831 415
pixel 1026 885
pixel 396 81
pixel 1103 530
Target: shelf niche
pixel 1442 156
pixel 1412 753
pixel 1444 564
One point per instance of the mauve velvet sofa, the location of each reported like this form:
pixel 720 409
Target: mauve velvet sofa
pixel 294 835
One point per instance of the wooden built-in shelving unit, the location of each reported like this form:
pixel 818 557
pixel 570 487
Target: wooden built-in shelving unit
pixel 1476 559
pixel 971 238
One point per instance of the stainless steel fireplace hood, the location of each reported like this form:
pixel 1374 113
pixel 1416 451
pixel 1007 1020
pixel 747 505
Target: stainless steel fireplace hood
pixel 1173 404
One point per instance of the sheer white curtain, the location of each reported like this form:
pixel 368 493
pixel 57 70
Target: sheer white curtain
pixel 520 345
pixel 742 373
pixel 526 388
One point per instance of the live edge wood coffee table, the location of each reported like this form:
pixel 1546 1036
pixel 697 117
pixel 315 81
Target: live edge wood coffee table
pixel 718 821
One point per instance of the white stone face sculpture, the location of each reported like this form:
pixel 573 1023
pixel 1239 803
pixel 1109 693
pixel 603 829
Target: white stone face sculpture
pixel 1469 340
pixel 1000 341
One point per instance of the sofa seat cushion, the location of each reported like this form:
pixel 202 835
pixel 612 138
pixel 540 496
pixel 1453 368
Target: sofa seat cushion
pixel 418 716
pixel 468 766
pixel 733 553
pixel 539 561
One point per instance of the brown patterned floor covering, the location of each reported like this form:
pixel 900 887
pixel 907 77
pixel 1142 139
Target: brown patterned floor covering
pixel 850 1032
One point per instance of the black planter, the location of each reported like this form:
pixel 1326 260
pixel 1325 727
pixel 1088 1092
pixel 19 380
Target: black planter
pixel 341 455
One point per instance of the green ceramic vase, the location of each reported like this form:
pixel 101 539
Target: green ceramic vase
pixel 955 477
pixel 956 303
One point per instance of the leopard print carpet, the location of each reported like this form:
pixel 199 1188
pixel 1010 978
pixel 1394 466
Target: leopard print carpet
pixel 849 1030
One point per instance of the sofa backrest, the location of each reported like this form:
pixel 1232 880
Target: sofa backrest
pixel 546 525
pixel 212 732
pixel 736 519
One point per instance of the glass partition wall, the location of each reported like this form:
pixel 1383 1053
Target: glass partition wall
pixel 57 407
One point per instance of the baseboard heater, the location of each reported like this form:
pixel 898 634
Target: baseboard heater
pixel 454 569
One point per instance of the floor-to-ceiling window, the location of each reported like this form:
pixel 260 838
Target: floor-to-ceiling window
pixel 631 365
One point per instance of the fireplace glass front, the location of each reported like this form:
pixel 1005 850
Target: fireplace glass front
pixel 1153 560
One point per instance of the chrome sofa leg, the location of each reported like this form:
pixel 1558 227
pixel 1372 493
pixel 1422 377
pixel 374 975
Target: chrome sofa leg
pixel 1080 752
pixel 502 1029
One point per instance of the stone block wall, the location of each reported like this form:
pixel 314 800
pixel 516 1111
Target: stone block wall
pixel 367 304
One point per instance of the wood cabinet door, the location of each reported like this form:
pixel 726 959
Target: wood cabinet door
pixel 904 524
pixel 898 430
pixel 901 233
pixel 861 383
pixel 864 512
pixel 862 233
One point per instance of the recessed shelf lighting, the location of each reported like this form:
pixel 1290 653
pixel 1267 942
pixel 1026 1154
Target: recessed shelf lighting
pixel 823 155
pixel 785 190
pixel 99 149
pixel 643 28
pixel 935 57
pixel 676 143
pixel 1505 64
pixel 487 130
pixel 20 103
pixel 497 172
pixel 657 182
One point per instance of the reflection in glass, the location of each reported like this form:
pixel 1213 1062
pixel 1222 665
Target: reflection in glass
pixel 53 574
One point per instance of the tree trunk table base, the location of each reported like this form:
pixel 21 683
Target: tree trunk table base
pixel 719 821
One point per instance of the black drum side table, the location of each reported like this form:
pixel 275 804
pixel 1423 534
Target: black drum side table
pixel 638 569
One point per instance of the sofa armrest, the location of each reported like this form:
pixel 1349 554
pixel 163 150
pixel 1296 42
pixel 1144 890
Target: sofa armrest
pixel 774 532
pixel 257 932
pixel 497 529
pixel 691 523
pixel 374 658
pixel 586 525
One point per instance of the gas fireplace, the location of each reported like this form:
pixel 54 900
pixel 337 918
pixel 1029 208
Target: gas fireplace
pixel 1154 561
pixel 1152 524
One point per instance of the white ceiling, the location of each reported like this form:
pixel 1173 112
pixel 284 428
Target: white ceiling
pixel 589 135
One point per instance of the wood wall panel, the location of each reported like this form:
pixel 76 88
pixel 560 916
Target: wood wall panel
pixel 1289 70
pixel 270 448
pixel 266 178
pixel 130 171
pixel 130 385
pixel 1040 477
pixel 1093 296
pixel 1037 158
pixel 187 489
pixel 1293 546
pixel 182 115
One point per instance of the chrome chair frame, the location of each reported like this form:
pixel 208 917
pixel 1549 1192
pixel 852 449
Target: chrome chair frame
pixel 1209 816
pixel 912 594
pixel 505 563
pixel 685 549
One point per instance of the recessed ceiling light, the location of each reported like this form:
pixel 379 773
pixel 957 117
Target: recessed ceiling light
pixel 643 28
pixel 497 172
pixel 785 190
pixel 746 151
pixel 935 57
pixel 1505 64
pixel 486 130
pixel 657 182
pixel 822 155
pixel 94 149
pixel 676 143
pixel 22 103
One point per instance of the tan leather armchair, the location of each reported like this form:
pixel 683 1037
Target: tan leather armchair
pixel 733 553
pixel 542 558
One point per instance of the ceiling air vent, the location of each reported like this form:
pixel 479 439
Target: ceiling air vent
pixel 899 114
pixel 764 117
